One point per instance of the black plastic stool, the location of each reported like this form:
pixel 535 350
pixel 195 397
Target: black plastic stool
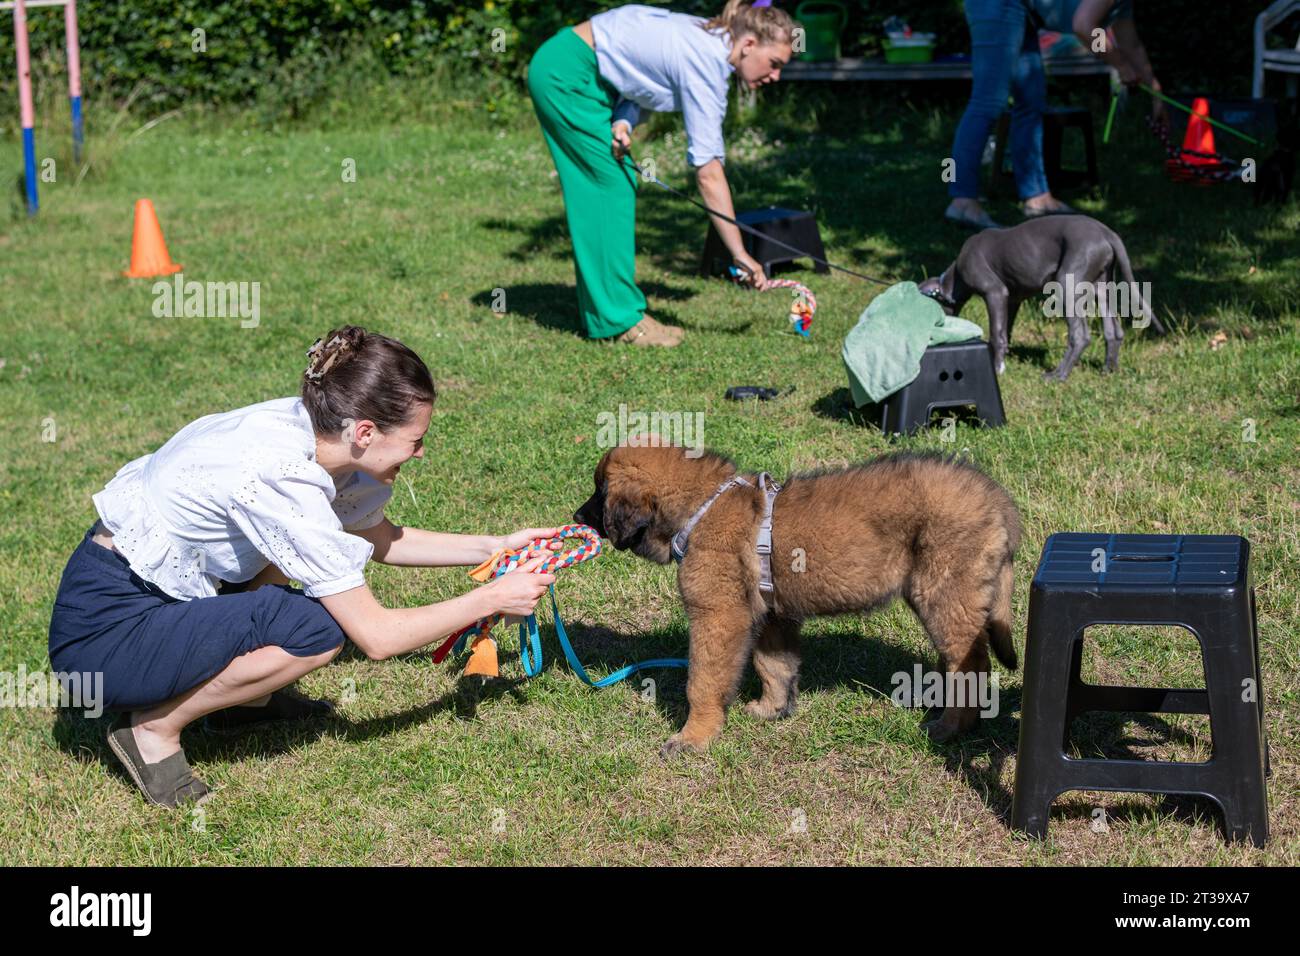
pixel 952 375
pixel 790 226
pixel 1056 120
pixel 1201 582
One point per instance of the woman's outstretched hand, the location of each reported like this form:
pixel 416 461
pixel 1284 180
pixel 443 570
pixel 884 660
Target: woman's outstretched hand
pixel 521 539
pixel 753 272
pixel 517 592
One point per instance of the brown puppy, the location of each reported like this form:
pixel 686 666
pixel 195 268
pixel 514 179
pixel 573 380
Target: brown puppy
pixel 935 531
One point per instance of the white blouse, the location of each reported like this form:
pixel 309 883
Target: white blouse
pixel 232 492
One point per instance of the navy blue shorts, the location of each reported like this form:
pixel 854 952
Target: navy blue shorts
pixel 151 646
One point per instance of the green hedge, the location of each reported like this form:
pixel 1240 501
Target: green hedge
pixel 253 43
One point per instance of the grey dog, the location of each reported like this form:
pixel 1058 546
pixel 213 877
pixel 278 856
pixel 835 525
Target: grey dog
pixel 1009 266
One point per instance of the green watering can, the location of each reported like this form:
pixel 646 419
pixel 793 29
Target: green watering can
pixel 822 21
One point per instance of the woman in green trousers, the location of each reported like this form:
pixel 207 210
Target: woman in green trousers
pixel 589 83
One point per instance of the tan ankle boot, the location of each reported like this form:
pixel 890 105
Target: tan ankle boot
pixel 650 332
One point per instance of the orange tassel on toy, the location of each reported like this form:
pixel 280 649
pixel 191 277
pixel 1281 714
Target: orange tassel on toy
pixel 483 659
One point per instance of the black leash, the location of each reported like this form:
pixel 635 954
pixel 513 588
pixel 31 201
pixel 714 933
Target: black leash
pixel 750 229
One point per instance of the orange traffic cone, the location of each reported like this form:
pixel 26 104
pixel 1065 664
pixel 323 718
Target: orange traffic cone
pixel 149 255
pixel 1200 135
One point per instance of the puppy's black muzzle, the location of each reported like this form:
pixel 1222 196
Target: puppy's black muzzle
pixel 592 514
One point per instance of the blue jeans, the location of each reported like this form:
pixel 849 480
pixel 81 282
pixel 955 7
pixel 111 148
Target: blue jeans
pixel 1004 60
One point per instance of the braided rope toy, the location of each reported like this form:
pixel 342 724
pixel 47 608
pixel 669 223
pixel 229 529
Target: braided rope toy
pixel 802 308
pixel 483 647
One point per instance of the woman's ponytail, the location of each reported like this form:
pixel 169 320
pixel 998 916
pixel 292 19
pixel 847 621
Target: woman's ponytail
pixel 767 24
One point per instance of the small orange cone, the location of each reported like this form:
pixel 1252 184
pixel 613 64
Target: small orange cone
pixel 1200 135
pixel 149 255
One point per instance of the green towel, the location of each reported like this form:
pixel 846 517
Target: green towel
pixel 883 351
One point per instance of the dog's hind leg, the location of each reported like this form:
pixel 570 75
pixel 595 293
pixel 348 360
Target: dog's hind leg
pixel 721 639
pixel 962 677
pixel 958 612
pixel 776 658
pixel 1078 338
pixel 1075 272
pixel 1112 330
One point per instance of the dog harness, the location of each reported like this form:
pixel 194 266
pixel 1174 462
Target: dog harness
pixel 770 490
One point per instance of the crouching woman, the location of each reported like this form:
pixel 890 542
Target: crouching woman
pixel 179 594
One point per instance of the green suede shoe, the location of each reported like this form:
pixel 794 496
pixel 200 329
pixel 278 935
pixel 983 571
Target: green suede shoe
pixel 284 704
pixel 168 783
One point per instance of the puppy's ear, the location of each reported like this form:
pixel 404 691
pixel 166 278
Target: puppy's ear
pixel 624 518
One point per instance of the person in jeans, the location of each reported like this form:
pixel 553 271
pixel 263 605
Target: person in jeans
pixel 1005 59
pixel 589 84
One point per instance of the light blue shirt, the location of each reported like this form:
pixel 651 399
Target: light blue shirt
pixel 663 61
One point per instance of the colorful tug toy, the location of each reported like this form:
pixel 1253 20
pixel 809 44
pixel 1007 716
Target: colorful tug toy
pixel 483 647
pixel 802 308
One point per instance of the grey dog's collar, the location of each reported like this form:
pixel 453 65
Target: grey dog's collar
pixel 770 490
pixel 938 294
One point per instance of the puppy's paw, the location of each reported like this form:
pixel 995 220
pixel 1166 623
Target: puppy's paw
pixel 940 730
pixel 1055 376
pixel 761 711
pixel 1002 367
pixel 677 744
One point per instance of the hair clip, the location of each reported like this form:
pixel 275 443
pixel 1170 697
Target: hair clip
pixel 312 374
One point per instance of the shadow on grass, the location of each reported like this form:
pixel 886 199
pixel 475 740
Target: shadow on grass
pixel 830 661
pixel 979 758
pixel 555 306
pixel 838 405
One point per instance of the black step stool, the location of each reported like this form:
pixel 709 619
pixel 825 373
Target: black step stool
pixel 1056 120
pixel 953 375
pixel 790 226
pixel 1201 582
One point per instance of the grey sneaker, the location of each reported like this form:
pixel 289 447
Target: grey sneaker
pixel 977 222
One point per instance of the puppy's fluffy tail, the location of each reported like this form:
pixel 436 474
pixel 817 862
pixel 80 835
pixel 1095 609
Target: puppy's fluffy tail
pixel 999 622
pixel 998 626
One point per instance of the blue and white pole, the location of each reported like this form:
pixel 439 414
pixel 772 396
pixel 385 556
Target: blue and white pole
pixel 25 110
pixel 74 76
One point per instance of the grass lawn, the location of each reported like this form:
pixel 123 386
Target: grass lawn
pixel 420 769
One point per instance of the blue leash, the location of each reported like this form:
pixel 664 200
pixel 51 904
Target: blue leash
pixel 530 640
